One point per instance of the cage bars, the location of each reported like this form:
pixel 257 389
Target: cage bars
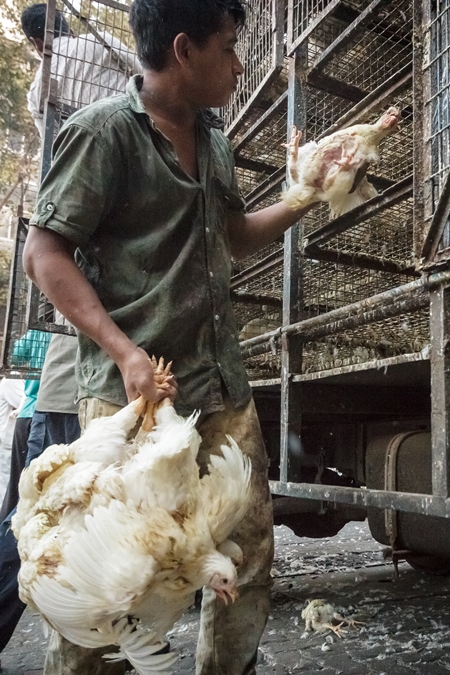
pixel 440 389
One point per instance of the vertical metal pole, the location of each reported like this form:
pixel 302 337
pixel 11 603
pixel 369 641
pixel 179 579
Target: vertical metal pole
pixel 47 52
pixel 50 119
pixel 418 128
pixel 278 32
pixel 291 355
pixel 440 389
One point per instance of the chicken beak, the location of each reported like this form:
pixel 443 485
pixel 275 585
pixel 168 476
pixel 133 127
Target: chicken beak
pixel 233 595
pixel 227 594
pixel 221 594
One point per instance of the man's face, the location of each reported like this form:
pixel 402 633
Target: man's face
pixel 216 68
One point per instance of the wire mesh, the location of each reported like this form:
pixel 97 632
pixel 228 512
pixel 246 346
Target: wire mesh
pixel 94 57
pixel 387 236
pixel 91 59
pixel 264 148
pixel 369 55
pixel 404 334
pixel 305 12
pixel 23 349
pixel 269 284
pixel 378 51
pixel 436 104
pixel 329 285
pixel 257 48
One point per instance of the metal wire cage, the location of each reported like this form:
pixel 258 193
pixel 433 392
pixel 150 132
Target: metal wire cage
pixel 436 128
pixel 261 49
pixel 89 58
pixel 354 60
pixel 93 56
pixel 24 347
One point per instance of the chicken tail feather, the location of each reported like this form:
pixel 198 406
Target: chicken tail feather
pixel 141 648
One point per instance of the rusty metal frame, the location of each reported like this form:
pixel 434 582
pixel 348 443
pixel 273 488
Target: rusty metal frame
pixel 418 129
pixel 393 195
pixel 383 499
pixel 373 100
pixel 431 230
pixel 356 25
pixel 396 301
pixel 14 281
pixel 115 56
pixel 259 124
pixel 292 44
pixel 432 290
pixel 440 389
pixel 276 65
pixel 438 224
pixel 47 52
pixel 291 348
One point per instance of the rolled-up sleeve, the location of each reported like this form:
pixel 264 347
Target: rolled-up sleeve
pixel 76 194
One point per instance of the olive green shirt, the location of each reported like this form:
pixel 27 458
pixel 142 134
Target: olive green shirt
pixel 153 243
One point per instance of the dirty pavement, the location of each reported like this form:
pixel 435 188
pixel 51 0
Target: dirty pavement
pixel 406 621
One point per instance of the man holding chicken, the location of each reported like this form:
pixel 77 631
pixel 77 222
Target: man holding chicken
pixel 143 193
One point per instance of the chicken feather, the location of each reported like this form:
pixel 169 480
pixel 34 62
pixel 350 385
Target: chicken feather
pixel 116 538
pixel 225 490
pixel 333 169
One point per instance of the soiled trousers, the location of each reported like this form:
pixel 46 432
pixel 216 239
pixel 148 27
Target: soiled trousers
pixel 229 634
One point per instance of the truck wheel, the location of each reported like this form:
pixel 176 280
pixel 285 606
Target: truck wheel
pixel 431 564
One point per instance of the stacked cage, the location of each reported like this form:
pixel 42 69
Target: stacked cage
pixel 89 57
pixel 434 235
pixel 256 122
pixel 352 60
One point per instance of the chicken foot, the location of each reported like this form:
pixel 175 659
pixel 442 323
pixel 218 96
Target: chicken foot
pixel 292 148
pixel 337 630
pixel 163 378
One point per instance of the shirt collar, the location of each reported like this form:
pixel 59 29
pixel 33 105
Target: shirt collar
pixel 207 116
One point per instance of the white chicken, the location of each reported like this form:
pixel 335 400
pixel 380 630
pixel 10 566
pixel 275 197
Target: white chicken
pixel 334 169
pixel 320 615
pixel 116 535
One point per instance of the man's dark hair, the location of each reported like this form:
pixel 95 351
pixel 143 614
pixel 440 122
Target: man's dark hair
pixel 156 23
pixel 33 22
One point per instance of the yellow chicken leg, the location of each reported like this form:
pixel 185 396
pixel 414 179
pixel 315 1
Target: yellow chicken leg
pixel 292 148
pixel 161 375
pixel 336 629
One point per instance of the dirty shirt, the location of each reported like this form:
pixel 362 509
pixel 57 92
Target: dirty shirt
pixel 153 243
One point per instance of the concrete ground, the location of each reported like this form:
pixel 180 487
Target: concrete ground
pixel 407 621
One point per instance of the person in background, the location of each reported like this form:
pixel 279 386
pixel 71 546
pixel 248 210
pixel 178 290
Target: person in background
pixel 11 393
pixel 84 68
pixel 57 419
pixel 28 351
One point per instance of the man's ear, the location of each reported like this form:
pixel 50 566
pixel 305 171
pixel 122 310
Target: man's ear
pixel 181 47
pixel 38 44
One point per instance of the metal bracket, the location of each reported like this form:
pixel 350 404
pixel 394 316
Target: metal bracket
pixel 390 483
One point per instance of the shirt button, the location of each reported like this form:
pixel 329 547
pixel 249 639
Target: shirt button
pixel 217 317
pixel 207 230
pixel 211 274
pixel 49 207
pixel 219 364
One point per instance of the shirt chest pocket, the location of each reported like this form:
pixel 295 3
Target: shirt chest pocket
pixel 226 200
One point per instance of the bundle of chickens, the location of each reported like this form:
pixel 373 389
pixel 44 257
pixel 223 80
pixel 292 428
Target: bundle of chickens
pixel 334 169
pixel 116 534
